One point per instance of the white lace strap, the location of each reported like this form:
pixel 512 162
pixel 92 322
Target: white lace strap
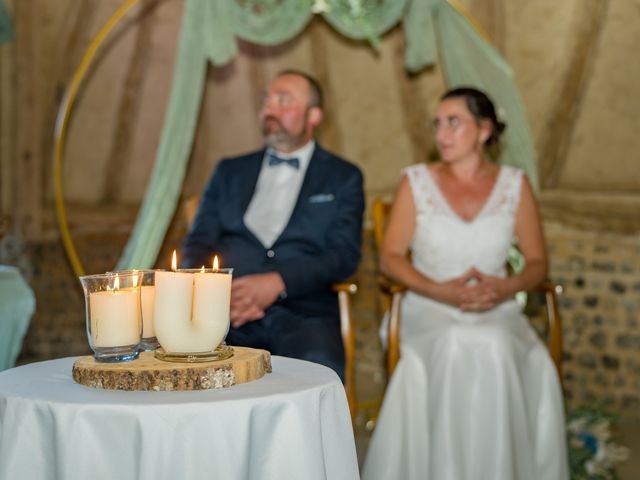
pixel 508 195
pixel 423 195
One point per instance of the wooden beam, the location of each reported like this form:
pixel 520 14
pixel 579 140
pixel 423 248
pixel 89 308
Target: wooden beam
pixel 414 105
pixel 28 158
pixel 592 16
pixel 7 132
pixel 129 106
pixel 491 15
pixel 596 211
pixel 329 132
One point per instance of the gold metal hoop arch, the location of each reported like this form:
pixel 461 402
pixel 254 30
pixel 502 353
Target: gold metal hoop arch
pixel 64 115
pixel 62 124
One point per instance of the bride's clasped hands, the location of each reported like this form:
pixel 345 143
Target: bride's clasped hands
pixel 474 291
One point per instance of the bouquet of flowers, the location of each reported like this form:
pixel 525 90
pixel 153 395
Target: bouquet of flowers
pixel 592 451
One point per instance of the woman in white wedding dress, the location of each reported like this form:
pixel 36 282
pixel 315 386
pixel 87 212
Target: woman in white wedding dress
pixel 475 395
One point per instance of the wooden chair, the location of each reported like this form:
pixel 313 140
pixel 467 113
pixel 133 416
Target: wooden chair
pixel 392 295
pixel 344 292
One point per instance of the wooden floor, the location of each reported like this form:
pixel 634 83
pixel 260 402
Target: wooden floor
pixel 629 435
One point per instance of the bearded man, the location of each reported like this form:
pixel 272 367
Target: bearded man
pixel 288 220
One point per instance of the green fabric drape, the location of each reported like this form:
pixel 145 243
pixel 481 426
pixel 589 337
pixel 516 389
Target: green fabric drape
pixel 420 34
pixel 208 34
pixel 271 27
pixel 196 45
pixel 467 59
pixel 6 25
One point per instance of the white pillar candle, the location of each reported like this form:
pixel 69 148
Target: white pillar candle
pixel 189 319
pixel 211 301
pixel 172 319
pixel 147 299
pixel 115 317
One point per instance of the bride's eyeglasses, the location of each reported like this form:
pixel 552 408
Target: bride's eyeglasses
pixel 451 123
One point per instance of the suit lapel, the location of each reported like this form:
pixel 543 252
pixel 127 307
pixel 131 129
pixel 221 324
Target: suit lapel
pixel 250 177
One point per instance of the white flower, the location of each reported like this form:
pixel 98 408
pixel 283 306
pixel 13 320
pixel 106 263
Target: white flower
pixel 594 468
pixel 356 7
pixel 577 425
pixel 601 430
pixel 320 6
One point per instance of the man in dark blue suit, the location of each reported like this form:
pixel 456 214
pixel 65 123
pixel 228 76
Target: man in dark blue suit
pixel 288 219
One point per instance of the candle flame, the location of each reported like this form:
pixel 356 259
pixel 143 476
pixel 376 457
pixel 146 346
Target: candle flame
pixel 202 269
pixel 116 283
pixel 215 264
pixel 174 261
pixel 136 277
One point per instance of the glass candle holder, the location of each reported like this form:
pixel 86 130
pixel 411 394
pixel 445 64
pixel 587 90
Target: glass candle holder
pixel 192 309
pixel 113 315
pixel 149 342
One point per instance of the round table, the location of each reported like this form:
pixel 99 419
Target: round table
pixel 291 424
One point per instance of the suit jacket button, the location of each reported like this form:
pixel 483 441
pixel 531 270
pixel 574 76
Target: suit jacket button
pixel 271 253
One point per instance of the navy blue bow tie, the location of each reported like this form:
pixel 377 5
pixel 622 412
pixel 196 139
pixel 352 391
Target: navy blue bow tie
pixel 276 160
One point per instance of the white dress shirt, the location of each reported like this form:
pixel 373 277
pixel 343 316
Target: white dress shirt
pixel 276 194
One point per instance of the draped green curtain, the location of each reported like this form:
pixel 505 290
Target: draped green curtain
pixel 420 34
pixel 272 25
pixel 197 44
pixel 209 28
pixel 466 59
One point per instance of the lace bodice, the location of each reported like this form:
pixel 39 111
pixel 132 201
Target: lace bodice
pixel 444 245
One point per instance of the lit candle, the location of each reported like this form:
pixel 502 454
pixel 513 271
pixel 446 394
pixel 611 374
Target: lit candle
pixel 115 316
pixel 211 301
pixel 191 309
pixel 173 308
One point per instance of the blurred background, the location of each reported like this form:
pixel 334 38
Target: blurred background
pixel 573 63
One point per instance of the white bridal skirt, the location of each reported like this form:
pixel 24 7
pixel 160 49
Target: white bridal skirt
pixel 474 397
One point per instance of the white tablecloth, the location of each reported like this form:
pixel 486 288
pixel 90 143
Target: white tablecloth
pixel 291 424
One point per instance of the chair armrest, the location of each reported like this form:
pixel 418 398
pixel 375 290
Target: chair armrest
pixel 547 286
pixel 344 291
pixel 350 288
pixel 390 287
pixel 393 291
pixel 554 337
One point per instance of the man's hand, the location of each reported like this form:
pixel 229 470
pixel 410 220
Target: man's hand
pixel 251 295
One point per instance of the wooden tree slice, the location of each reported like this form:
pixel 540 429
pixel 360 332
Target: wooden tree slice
pixel 149 373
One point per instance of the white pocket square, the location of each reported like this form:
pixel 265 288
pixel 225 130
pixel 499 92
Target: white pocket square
pixel 322 198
